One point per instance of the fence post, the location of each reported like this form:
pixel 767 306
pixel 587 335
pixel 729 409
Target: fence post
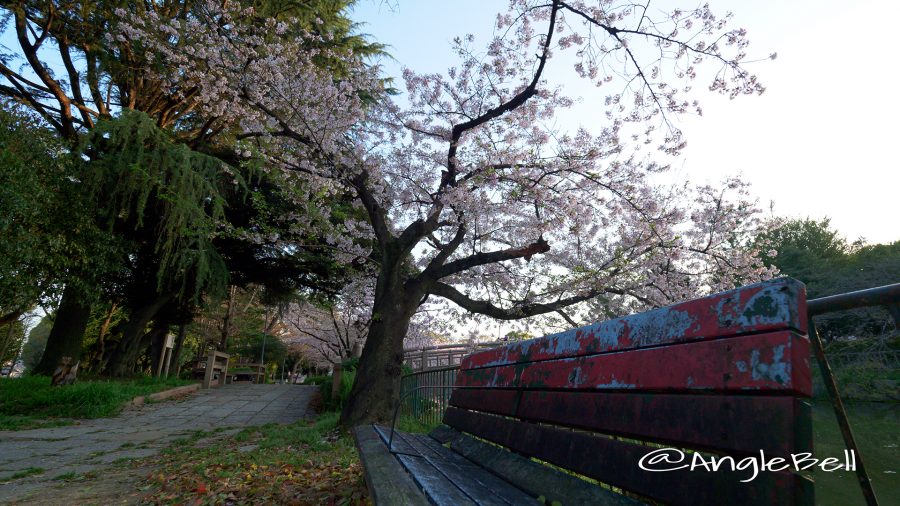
pixel 336 382
pixel 210 365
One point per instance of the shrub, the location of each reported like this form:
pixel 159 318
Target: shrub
pixel 335 404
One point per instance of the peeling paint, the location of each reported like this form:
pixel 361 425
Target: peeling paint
pixel 768 306
pixel 616 384
pixel 777 370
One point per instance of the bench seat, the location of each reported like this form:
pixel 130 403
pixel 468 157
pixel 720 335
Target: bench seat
pixel 422 470
pixel 570 418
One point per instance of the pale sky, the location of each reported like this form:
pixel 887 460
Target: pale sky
pixel 817 143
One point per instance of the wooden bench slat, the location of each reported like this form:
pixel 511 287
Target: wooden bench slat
pixel 504 489
pixel 439 490
pixel 387 480
pixel 616 462
pixel 734 424
pixel 532 477
pixel 772 305
pixel 437 487
pixel 774 361
pixel 483 488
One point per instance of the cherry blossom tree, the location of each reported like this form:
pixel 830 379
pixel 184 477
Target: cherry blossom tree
pixel 470 194
pixel 332 331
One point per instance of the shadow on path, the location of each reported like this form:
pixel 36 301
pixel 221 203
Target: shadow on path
pixel 35 464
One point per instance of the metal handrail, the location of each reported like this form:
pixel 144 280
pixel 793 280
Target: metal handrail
pixel 879 296
pixel 400 404
pixel 888 295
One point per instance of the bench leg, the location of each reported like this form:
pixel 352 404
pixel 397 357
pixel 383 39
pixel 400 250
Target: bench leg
pixel 224 373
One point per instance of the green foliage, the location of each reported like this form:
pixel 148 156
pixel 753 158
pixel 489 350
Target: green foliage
pixel 140 176
pixel 350 364
pixel 317 380
pixel 408 423
pixel 29 471
pixel 337 403
pixel 251 348
pixel 33 396
pixel 863 369
pixel 814 253
pixel 48 232
pixel 11 336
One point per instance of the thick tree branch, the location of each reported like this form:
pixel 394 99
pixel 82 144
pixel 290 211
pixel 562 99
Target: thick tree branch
pixel 30 51
pixel 526 252
pixel 377 214
pixel 449 177
pixel 75 83
pixel 445 251
pixel 521 311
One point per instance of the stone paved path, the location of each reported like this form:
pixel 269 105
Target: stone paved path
pixel 93 445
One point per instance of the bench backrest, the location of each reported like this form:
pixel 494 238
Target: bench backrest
pixel 727 374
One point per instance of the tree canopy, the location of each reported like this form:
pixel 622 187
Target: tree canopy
pixel 815 253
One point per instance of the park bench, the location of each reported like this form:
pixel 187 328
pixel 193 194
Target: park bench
pixel 247 372
pixel 216 369
pixel 568 417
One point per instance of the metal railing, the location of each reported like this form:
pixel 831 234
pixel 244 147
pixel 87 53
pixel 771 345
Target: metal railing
pixel 446 355
pixel 888 296
pixel 425 394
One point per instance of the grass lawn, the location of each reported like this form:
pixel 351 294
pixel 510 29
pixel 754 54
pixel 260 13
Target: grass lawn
pixel 30 402
pixel 303 463
pixel 876 427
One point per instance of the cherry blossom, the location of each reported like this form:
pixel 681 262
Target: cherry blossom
pixel 471 193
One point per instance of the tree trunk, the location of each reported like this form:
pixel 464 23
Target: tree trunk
pixel 176 353
pixel 101 337
pixel 226 321
pixel 376 389
pixel 67 334
pixel 125 356
pixel 157 342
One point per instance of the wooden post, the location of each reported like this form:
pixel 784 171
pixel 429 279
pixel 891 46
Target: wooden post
pixel 210 365
pixel 165 356
pixel 336 382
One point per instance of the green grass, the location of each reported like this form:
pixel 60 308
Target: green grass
pixel 31 401
pixel 70 476
pixel 26 472
pixel 410 424
pixel 300 463
pixel 875 427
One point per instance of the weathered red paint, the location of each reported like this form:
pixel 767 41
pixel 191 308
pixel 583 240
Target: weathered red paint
pixel 733 424
pixel 773 305
pixel 776 361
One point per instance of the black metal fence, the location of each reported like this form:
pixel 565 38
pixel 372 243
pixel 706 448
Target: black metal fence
pixel 427 405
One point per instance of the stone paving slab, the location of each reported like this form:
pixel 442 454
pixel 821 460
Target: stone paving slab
pixel 139 432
